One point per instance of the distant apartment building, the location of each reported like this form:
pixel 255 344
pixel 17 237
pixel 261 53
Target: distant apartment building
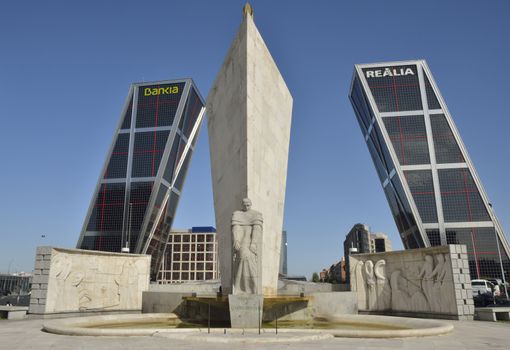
pixel 336 273
pixel 323 275
pixel 379 243
pixel 190 255
pixel 357 240
pixel 360 240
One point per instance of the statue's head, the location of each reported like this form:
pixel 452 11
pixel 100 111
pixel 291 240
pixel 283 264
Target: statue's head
pixel 246 204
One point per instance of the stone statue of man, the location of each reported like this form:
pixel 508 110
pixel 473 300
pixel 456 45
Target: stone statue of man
pixel 246 238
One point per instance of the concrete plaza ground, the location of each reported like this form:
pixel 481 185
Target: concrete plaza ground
pixel 477 335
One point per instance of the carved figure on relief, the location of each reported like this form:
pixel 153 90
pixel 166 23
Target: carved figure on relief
pixel 127 285
pixel 444 279
pixel 419 302
pixel 400 300
pixel 360 286
pixel 371 289
pixel 449 304
pixel 447 269
pixel 425 274
pixel 383 289
pixel 71 293
pixel 437 276
pixel 101 275
pixel 246 237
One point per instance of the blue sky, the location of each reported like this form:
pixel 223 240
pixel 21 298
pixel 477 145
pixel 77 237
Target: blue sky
pixel 65 70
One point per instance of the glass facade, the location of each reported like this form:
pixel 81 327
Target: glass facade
pixel 422 189
pixel 434 237
pixel 430 184
pixel 446 148
pixel 409 139
pixel 394 88
pixel 137 195
pixel 189 256
pixel 485 256
pixel 461 199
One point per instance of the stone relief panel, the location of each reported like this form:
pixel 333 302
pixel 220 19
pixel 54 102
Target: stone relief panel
pixel 418 280
pixel 86 281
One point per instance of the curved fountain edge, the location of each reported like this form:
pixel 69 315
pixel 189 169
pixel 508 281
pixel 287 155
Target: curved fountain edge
pixel 418 327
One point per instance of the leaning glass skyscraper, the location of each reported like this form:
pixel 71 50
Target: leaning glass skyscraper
pixel 139 186
pixel 430 183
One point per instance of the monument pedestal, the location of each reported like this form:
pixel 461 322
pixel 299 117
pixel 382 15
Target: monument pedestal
pixel 249 112
pixel 245 310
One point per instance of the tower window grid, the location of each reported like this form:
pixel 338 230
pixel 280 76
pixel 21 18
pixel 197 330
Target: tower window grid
pixel 141 182
pixel 458 206
pixel 189 256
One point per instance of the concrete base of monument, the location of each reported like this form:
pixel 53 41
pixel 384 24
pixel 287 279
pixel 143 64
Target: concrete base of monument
pixel 282 307
pixel 245 310
pixel 171 326
pixel 234 308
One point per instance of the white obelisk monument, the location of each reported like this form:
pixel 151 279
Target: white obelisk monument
pixel 249 117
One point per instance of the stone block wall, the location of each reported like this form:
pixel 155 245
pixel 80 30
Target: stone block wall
pixel 40 280
pixel 462 282
pixel 429 282
pixel 73 280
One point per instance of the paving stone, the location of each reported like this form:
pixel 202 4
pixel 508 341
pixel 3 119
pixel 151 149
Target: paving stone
pixel 27 334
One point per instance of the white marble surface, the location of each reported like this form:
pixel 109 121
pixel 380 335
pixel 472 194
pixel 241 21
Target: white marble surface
pixel 249 117
pixel 247 233
pixel 245 310
pixel 81 280
pixel 420 281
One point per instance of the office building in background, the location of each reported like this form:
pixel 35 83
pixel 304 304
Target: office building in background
pixel 360 240
pixel 379 243
pixel 190 255
pixel 431 185
pixel 139 186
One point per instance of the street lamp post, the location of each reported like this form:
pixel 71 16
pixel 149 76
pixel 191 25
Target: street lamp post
pixel 128 238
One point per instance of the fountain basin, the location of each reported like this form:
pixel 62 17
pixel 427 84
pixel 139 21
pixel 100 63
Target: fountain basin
pixel 171 326
pixel 269 301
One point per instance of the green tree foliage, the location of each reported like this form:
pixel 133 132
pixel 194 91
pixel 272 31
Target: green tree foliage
pixel 315 277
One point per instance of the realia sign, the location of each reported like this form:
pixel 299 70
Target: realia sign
pixel 389 72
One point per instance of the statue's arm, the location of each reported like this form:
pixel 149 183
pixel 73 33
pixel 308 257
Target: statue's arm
pixel 369 273
pixel 236 236
pixel 256 238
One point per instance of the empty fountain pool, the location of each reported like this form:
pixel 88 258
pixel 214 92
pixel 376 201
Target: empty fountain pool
pixel 170 325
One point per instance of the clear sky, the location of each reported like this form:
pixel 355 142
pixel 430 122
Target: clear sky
pixel 66 66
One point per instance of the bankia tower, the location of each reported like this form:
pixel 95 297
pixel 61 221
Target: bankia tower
pixel 430 183
pixel 138 190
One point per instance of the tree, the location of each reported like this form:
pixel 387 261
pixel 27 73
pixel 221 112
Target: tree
pixel 315 277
